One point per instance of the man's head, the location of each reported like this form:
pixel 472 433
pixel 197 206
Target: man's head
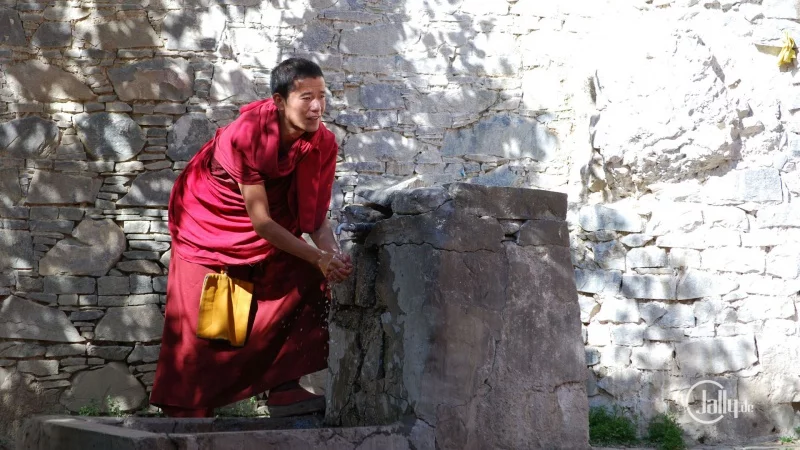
pixel 298 89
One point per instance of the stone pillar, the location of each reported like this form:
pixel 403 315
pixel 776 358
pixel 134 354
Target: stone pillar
pixel 471 328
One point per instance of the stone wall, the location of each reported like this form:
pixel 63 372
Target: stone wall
pixel 667 122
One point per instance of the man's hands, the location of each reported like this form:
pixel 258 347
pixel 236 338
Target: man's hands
pixel 336 267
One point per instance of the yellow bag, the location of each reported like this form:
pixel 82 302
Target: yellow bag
pixel 224 308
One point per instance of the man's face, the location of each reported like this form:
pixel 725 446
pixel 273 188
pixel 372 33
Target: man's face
pixel 305 105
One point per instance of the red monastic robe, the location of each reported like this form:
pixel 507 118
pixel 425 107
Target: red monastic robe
pixel 210 229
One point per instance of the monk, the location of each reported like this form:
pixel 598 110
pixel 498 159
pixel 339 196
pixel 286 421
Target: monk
pixel 242 205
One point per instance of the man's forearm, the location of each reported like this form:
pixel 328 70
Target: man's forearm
pixel 324 238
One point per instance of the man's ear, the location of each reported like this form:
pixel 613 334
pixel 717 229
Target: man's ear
pixel 278 101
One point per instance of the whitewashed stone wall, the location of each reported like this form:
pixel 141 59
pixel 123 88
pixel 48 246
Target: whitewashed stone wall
pixel 667 122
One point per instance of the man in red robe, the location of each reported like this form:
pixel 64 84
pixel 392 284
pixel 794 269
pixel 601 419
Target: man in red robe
pixel 242 204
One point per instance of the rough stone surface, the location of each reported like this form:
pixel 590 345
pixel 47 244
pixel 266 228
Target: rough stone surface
pixel 114 34
pixel 33 80
pixel 10 23
pixel 110 136
pixel 654 287
pixel 150 189
pixel 130 324
pixel 508 203
pixel 598 281
pixel 29 137
pixel 23 319
pixel 696 284
pixel 232 83
pixel 59 188
pixel 16 250
pixel 194 29
pixel 443 229
pixel 52 34
pixel 10 191
pixel 598 217
pixel 156 79
pixel 730 354
pixel 95 246
pixel 188 135
pixel 113 381
pixel 503 136
pixel 380 146
pixel 418 201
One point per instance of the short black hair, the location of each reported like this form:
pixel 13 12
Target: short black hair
pixel 284 74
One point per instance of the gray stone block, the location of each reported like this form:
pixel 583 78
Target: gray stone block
pixel 23 319
pixel 381 96
pixel 150 189
pixel 654 287
pixel 139 266
pixel 511 137
pixel 21 350
pixel 85 316
pixel 110 136
pixel 194 29
pixel 141 284
pixel 29 137
pixel 115 34
pixel 160 284
pixel 609 255
pixel 95 247
pixel 113 380
pixel 544 232
pixel 109 352
pixel 51 187
pixel 11 32
pixel 677 316
pixel 144 354
pixel 69 285
pixel 598 281
pixel 162 79
pixel 696 284
pixel 375 40
pixel 38 367
pixel 502 176
pixel 656 356
pixel 10 191
pixel 598 217
pixel 55 351
pixel 730 354
pixel 34 80
pixel 130 324
pixel 16 250
pixel 65 13
pixel 646 257
pixel 750 185
pixel 188 135
pixel 628 334
pixel 380 146
pixel 508 202
pixel 52 34
pixel 443 228
pixel 57 226
pixel 369 119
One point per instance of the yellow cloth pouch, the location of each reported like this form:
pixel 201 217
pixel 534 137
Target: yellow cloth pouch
pixel 224 309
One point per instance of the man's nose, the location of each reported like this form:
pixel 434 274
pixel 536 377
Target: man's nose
pixel 316 105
